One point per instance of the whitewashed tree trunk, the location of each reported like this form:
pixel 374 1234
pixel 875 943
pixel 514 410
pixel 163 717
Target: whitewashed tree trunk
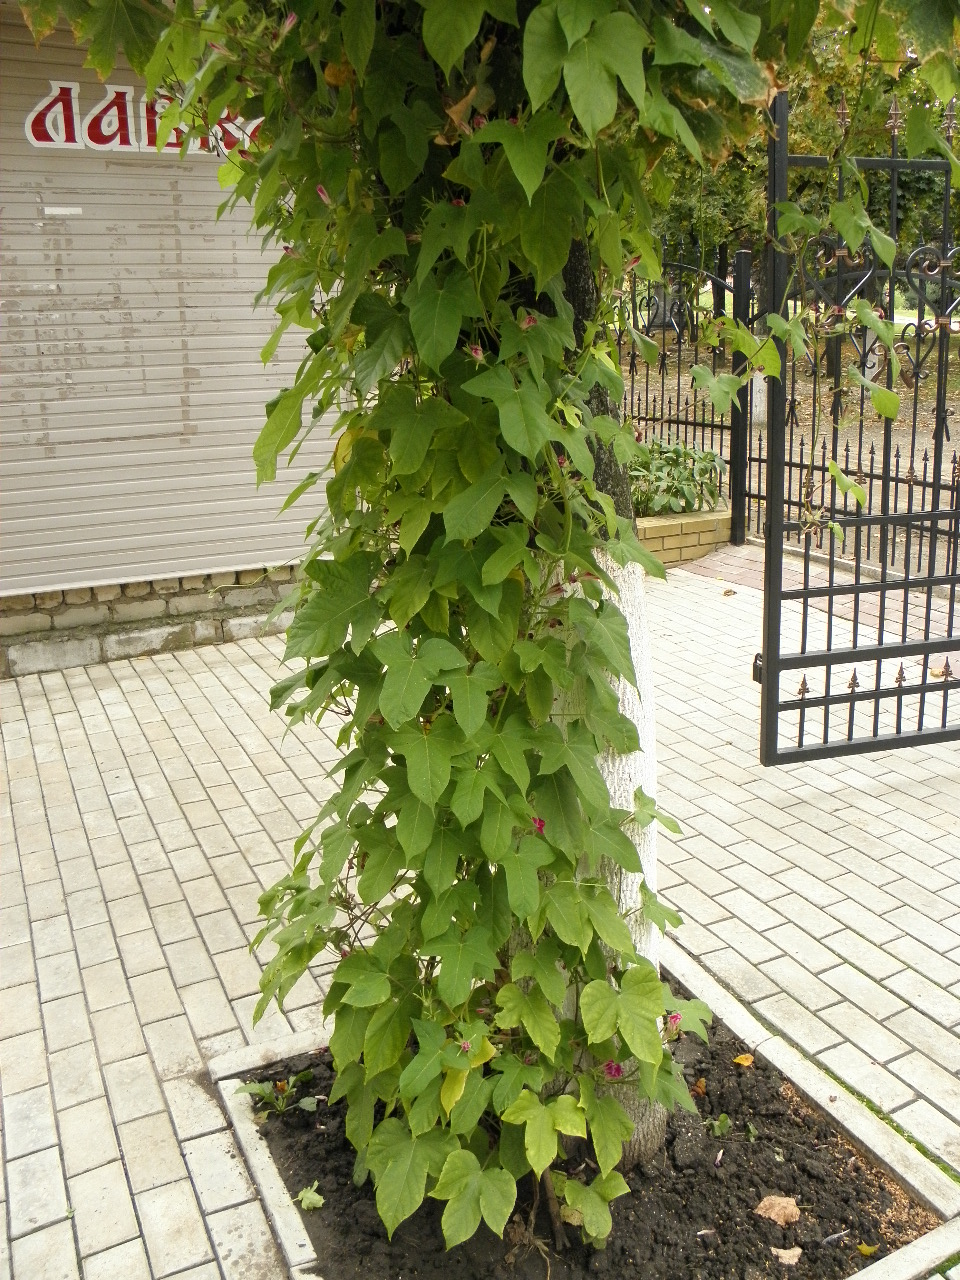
pixel 623 774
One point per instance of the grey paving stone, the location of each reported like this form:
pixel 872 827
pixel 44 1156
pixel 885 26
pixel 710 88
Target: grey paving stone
pixel 942 1088
pixel 151 1152
pixel 863 991
pixel 799 946
pixel 874 961
pixel 155 996
pixel 65 1022
pixel 173 1229
pixel 929 1037
pixel 853 915
pixel 221 932
pixel 132 1088
pixel 36 1193
pixel 141 953
pixel 797 1023
pixel 19 1010
pixel 923 928
pixel 123 1262
pixel 758 883
pixel 239 972
pixel 117 1034
pixel 799 982
pixel 244 1242
pixel 218 1172
pixel 926 996
pixel 743 978
pixel 173 1048
pixel 207 1008
pixel 743 906
pixel 16 959
pixel 194 1108
pixel 28 1123
pixel 75 1073
pixel 95 945
pixel 867 1077
pixel 936 1131
pixel 87 1136
pixel 58 975
pixel 103 1211
pixel 50 1254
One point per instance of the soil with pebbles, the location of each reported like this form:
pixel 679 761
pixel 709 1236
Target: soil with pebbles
pixel 691 1211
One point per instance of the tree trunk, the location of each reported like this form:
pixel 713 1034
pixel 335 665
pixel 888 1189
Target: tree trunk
pixel 625 773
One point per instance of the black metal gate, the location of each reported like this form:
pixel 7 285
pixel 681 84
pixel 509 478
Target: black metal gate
pixel 859 651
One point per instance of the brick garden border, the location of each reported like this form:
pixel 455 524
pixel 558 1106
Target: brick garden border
pixel 677 539
pixel 52 630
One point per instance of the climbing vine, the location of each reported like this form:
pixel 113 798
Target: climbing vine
pixel 437 179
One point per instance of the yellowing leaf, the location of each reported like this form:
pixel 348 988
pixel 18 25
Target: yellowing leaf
pixel 779 1209
pixel 744 1060
pixel 338 73
pixel 789 1257
pixel 868 1250
pixel 483 1053
pixel 454 1083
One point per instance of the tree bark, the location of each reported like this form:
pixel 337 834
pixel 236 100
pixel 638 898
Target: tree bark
pixel 625 773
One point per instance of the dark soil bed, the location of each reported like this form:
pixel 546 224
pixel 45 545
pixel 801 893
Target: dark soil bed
pixel 691 1212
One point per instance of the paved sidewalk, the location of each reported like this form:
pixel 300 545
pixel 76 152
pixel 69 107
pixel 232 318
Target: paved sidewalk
pixel 826 895
pixel 146 804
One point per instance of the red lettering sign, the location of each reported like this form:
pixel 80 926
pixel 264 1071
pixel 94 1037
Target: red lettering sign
pixel 107 127
pixel 53 122
pixel 150 113
pixel 110 125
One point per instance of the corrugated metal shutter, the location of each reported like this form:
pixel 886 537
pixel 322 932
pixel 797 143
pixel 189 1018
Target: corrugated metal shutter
pixel 132 388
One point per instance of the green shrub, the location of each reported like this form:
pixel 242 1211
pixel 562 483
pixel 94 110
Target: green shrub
pixel 674 478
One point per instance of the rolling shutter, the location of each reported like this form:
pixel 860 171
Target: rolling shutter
pixel 132 387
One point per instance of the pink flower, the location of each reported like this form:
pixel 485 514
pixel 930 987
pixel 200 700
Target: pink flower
pixel 465 1046
pixel 613 1070
pixel 528 322
pixel 562 459
pixel 513 120
pixel 634 261
pixel 673 1023
pixel 323 194
pixel 476 352
pixel 458 203
pixel 479 121
pixel 289 22
pixel 538 826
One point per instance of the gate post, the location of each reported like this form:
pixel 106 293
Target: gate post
pixel 742 263
pixel 777 153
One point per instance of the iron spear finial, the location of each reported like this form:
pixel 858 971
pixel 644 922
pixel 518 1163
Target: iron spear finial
pixel 950 122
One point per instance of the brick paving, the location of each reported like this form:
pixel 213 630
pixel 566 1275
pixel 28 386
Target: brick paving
pixel 146 803
pixel 825 895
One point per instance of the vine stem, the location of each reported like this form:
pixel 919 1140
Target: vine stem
pixel 560 1240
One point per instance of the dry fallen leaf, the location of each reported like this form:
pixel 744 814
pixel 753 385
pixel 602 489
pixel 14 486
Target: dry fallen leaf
pixel 789 1257
pixel 868 1250
pixel 779 1209
pixel 699 1089
pixel 729 592
pixel 744 1060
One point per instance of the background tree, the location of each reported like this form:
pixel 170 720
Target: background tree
pixel 454 189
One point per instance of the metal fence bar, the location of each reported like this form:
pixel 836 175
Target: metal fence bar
pixel 776 421
pixel 742 264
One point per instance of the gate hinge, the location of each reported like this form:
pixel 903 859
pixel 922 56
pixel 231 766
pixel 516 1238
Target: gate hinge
pixel 758 668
